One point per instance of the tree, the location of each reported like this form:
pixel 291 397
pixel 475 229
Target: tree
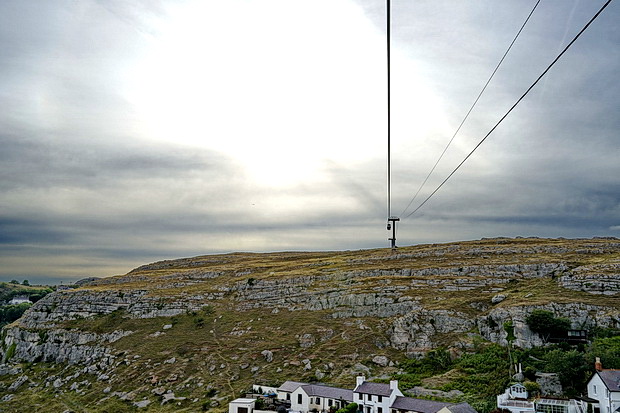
pixel 608 350
pixel 25 282
pixel 570 366
pixel 13 282
pixel 546 325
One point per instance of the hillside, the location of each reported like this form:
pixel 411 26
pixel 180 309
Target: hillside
pixel 206 328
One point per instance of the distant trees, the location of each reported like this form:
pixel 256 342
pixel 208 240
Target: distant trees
pixel 10 313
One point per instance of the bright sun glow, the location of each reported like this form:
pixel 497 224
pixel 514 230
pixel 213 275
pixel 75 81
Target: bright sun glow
pixel 279 86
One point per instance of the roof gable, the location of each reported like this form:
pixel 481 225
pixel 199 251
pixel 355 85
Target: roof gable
pixel 328 391
pixel 290 386
pixel 378 389
pixel 611 379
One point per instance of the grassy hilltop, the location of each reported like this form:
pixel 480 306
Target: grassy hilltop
pixel 206 328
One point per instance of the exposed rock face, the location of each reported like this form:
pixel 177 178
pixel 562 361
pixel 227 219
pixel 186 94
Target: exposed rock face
pixel 549 384
pixel 594 279
pixel 398 292
pixel 61 346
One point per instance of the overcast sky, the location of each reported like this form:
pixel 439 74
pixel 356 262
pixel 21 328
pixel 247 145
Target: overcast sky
pixel 134 131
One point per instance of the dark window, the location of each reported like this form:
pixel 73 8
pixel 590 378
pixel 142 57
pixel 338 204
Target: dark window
pixel 299 400
pixel 361 396
pixel 242 410
pixel 379 409
pixel 318 401
pixel 329 402
pixel 288 396
pixel 379 399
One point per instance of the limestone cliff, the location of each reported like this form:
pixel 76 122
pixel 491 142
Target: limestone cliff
pixel 301 307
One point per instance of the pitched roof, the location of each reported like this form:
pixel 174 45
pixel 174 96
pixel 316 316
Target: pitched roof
pixel 290 386
pixel 461 408
pixel 419 405
pixel 379 389
pixel 611 378
pixel 329 392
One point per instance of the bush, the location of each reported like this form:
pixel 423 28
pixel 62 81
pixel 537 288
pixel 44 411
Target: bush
pixel 349 408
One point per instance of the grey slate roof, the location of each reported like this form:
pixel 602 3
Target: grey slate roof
pixel 379 389
pixel 329 392
pixel 290 386
pixel 611 378
pixel 462 408
pixel 419 405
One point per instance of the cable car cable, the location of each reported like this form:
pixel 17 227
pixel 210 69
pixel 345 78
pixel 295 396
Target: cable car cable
pixel 512 107
pixel 470 109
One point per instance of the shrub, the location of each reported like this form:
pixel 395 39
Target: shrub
pixel 349 408
pixel 10 352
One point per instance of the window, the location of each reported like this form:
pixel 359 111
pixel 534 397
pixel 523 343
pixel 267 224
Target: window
pixel 299 399
pixel 318 400
pixel 380 399
pixel 242 410
pixel 594 389
pixel 379 410
pixel 360 396
pixel 288 396
pixel 329 402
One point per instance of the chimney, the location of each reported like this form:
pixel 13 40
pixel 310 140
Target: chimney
pixel 393 384
pixel 598 366
pixel 359 380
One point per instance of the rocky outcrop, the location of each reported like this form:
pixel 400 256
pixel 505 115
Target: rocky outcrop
pixel 388 287
pixel 582 316
pixel 60 346
pixel 77 304
pixel 601 279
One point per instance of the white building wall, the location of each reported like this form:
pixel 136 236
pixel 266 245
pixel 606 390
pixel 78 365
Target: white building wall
pixel 300 402
pixel 597 390
pixel 265 389
pixel 371 403
pixel 237 404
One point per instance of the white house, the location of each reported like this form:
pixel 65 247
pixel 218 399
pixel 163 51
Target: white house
pixel 309 397
pixel 370 397
pixel 604 386
pixel 20 299
pixel 375 397
pixel 287 388
pixel 515 400
pixel 241 406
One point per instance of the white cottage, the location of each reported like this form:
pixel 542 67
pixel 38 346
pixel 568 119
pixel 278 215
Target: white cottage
pixel 287 388
pixel 320 398
pixel 20 299
pixel 515 400
pixel 242 405
pixel 604 387
pixel 375 397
